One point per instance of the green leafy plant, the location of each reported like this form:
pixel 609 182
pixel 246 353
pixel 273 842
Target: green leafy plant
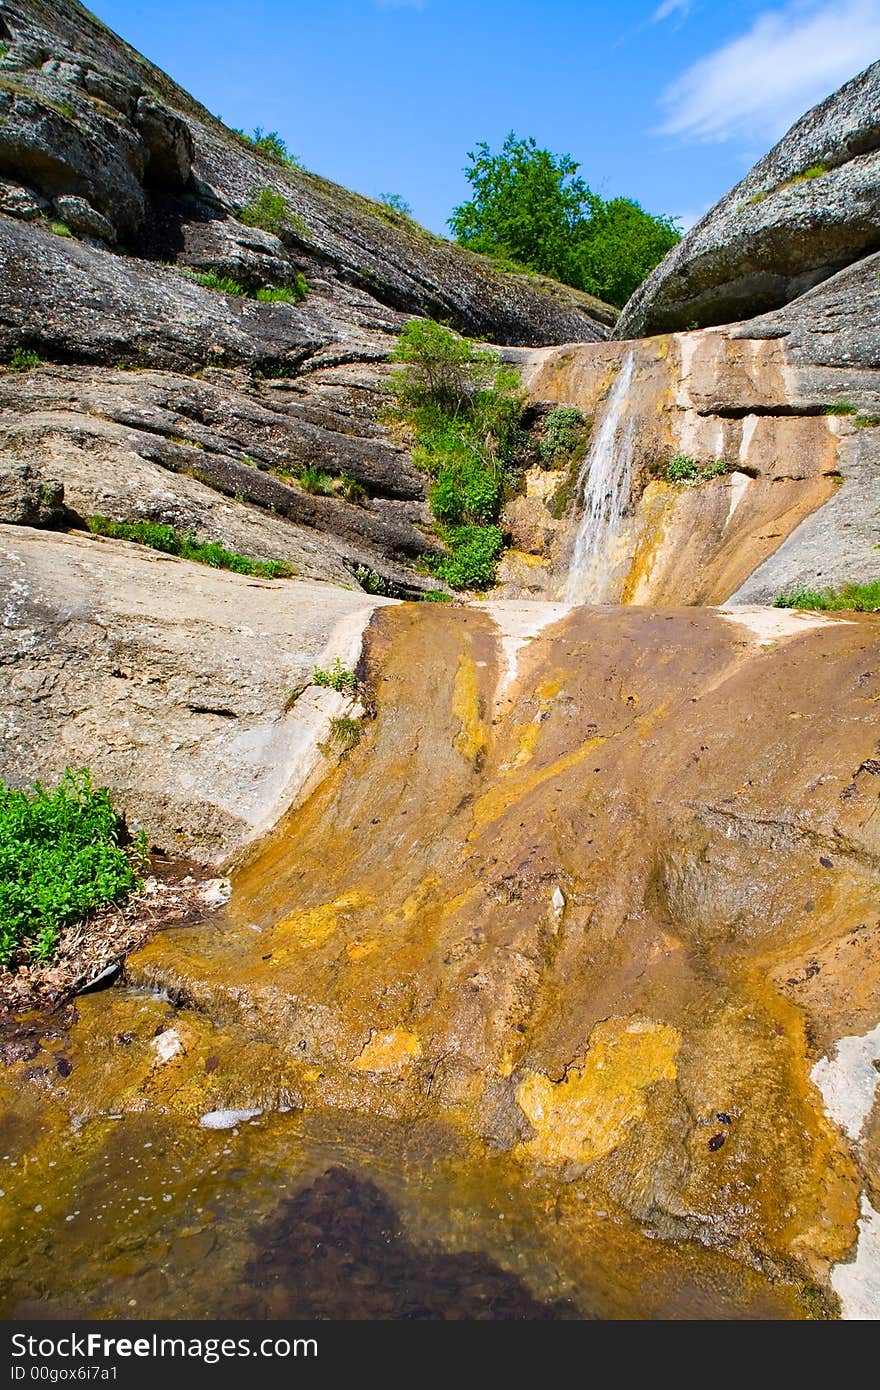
pixel 23 359
pixel 185 544
pixel 857 598
pixel 435 596
pixel 60 229
pixel 396 203
pixel 530 209
pixel 270 145
pixel 464 407
pixel 370 581
pixel 564 430
pixel 60 857
pixel 316 481
pixel 338 678
pixel 840 408
pixel 684 469
pixel 474 551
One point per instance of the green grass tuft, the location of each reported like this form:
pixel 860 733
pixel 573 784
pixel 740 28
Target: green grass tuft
pixel 284 294
pixel 210 280
pixel 60 857
pixel 840 408
pixel 60 229
pixel 187 546
pixel 345 733
pixel 853 598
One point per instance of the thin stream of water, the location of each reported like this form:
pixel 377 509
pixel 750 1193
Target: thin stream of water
pixel 604 485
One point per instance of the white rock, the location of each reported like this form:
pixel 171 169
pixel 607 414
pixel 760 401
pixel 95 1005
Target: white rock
pixel 227 1119
pixel 166 1045
pixel 215 892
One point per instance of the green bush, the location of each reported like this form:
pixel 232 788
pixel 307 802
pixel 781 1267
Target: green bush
pixel 465 408
pixel 22 360
pixel 60 229
pixel 269 211
pixel 474 552
pixel 856 598
pixel 187 546
pixel 60 857
pixel 396 203
pixel 337 678
pixel 563 431
pixel 684 469
pixel 270 145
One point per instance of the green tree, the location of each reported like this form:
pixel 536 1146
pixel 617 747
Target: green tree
pixel 620 246
pixel 531 208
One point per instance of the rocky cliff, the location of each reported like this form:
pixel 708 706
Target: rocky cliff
pixel 807 209
pixel 156 397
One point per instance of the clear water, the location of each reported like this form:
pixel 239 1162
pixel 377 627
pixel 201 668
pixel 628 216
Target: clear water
pixel 603 485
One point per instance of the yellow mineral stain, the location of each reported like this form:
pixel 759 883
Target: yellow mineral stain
pixel 306 930
pixel 527 734
pixel 415 903
pixel 392 1051
pixel 357 950
pixel 648 722
pixel 471 740
pixel 496 800
pixel 585 1116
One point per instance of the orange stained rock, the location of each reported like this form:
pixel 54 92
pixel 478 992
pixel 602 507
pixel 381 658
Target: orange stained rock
pixel 392 1051
pixel 588 1114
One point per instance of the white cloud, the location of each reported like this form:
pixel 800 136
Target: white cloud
pixel 756 86
pixel 671 7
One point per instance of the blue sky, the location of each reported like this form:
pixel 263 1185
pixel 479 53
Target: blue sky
pixel 665 101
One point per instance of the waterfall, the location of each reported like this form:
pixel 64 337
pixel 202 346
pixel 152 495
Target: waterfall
pixel 603 485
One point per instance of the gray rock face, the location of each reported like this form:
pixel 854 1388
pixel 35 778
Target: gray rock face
pixel 806 210
pixel 160 398
pixel 83 114
pixel 27 498
pixel 170 680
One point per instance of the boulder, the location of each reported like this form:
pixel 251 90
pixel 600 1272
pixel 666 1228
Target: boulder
pixel 809 208
pixel 246 254
pixel 82 219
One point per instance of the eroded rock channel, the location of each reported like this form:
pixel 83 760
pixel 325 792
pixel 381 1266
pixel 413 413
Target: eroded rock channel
pixel 535 979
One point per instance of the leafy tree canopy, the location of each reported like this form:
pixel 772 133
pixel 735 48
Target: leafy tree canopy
pixel 532 209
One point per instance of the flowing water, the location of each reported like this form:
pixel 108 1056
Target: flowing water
pixel 513 1018
pixel 603 487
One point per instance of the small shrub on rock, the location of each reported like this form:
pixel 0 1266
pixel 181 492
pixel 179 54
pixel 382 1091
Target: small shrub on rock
pixel 61 856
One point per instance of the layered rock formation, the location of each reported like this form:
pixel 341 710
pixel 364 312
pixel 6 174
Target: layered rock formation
pixel 113 182
pixel 807 209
